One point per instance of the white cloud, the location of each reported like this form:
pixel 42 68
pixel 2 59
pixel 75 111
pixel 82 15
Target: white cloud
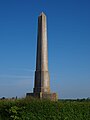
pixel 15 76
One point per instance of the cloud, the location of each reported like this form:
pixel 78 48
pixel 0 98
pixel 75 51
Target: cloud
pixel 24 82
pixel 21 69
pixel 15 76
pixel 17 87
pixel 30 70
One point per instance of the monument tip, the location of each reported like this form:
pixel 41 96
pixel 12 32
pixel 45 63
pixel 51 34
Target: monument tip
pixel 42 13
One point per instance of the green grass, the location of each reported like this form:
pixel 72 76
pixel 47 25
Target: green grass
pixel 34 109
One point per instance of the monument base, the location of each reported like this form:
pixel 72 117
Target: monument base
pixel 49 96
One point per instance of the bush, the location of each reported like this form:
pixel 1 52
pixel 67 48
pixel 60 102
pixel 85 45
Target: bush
pixel 35 109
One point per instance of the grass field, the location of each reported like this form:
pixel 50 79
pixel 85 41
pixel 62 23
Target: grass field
pixel 32 109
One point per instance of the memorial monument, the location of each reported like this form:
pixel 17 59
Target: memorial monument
pixel 42 80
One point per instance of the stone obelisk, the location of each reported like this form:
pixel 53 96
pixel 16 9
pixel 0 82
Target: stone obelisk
pixel 42 81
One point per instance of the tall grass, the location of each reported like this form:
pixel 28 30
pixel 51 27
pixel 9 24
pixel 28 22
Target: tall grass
pixel 35 109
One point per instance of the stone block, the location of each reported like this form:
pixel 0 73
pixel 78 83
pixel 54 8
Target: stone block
pixel 48 96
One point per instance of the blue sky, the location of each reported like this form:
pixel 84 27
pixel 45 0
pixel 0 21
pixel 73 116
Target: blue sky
pixel 68 46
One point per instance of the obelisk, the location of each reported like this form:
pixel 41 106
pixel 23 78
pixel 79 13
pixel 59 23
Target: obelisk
pixel 42 80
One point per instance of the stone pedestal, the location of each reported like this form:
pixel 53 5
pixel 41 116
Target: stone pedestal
pixel 48 96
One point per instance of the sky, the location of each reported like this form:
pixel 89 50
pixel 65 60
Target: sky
pixel 68 23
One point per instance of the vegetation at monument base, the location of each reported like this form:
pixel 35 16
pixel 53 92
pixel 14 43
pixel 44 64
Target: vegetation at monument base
pixel 32 109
